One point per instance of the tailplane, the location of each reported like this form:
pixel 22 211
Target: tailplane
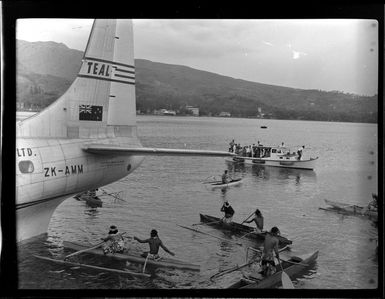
pixel 101 100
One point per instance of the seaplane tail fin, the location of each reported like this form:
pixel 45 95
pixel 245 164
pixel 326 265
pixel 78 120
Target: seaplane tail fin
pixel 101 100
pixel 107 149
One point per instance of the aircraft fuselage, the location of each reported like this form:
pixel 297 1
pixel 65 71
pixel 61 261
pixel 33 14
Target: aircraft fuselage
pixel 50 170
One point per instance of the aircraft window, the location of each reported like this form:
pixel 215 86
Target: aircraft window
pixel 26 166
pixel 273 150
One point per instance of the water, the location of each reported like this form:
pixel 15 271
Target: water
pixel 166 191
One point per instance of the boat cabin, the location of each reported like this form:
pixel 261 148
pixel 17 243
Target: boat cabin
pixel 272 152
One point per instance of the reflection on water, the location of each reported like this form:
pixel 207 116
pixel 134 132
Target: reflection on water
pixel 268 172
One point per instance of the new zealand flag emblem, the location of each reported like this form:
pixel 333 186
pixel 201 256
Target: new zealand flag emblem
pixel 89 112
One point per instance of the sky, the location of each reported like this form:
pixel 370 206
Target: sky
pixel 323 54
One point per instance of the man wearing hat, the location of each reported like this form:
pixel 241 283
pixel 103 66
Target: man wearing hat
pixel 114 242
pixel 154 242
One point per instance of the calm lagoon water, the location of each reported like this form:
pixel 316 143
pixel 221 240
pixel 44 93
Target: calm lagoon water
pixel 166 191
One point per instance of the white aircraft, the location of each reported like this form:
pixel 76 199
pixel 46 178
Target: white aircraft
pixel 88 137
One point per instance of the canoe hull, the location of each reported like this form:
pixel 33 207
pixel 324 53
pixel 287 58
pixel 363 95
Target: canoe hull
pixel 276 279
pixel 352 209
pixel 239 229
pixel 164 262
pixel 219 185
pixel 292 163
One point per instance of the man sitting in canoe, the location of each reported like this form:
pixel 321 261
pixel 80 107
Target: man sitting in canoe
pixel 229 212
pixel 114 242
pixel 258 219
pixel 226 178
pixel 154 243
pixel 270 246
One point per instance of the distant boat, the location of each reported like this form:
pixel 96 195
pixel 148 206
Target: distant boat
pixel 263 127
pixel 275 156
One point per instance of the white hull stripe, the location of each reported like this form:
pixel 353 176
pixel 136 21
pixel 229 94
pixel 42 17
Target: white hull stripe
pixel 106 70
pixel 107 61
pixel 106 79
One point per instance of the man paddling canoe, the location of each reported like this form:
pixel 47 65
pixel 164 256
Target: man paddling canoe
pixel 258 219
pixel 226 178
pixel 270 246
pixel 154 242
pixel 114 242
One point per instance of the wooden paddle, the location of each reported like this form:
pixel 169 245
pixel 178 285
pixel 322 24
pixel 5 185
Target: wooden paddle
pixel 198 231
pixel 248 217
pixel 286 281
pixel 87 249
pixel 84 250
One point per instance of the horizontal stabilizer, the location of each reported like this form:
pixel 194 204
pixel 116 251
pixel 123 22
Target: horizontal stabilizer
pixel 108 149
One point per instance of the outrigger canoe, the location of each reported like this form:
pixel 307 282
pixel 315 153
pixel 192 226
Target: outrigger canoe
pixel 136 258
pixel 219 184
pixel 351 209
pixel 91 201
pixel 292 267
pixel 240 229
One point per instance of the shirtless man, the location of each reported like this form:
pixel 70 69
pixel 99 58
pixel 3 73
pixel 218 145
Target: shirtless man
pixel 258 219
pixel 154 243
pixel 269 247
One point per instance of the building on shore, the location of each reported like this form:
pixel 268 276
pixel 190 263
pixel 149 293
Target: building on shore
pixel 224 114
pixel 194 110
pixel 164 112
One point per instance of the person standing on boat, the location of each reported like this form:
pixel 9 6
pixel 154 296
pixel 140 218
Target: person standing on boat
pixel 258 219
pixel 229 212
pixel 154 242
pixel 114 242
pixel 299 152
pixel 270 246
pixel 231 148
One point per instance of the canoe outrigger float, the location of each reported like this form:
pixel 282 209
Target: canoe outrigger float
pixel 136 258
pixel 292 268
pixel 275 156
pixel 350 209
pixel 241 229
pixel 219 184
pixel 126 272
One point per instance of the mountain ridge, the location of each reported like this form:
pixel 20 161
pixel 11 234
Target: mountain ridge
pixel 46 69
